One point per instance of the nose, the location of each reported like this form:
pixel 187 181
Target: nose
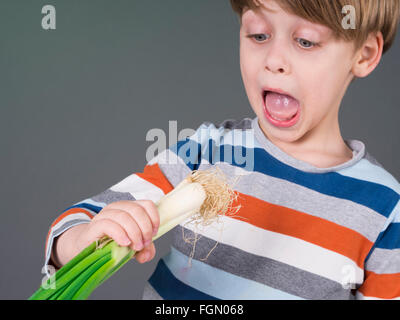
pixel 276 57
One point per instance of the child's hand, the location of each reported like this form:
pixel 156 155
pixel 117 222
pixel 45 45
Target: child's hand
pixel 129 223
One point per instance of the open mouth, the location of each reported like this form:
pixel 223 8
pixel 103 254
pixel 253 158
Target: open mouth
pixel 265 92
pixel 281 109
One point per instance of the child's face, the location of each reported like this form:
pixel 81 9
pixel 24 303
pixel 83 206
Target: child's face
pixel 282 57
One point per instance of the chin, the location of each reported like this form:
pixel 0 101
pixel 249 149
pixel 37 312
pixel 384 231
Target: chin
pixel 288 136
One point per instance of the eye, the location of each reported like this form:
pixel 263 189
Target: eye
pixel 305 43
pixel 260 37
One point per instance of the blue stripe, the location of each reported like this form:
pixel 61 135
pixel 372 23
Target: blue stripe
pixel 390 238
pixel 365 170
pixel 189 151
pixel 372 195
pixel 170 288
pixel 85 206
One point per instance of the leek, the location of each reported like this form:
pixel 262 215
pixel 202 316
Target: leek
pixel 202 196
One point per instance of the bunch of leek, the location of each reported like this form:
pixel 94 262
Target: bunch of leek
pixel 202 196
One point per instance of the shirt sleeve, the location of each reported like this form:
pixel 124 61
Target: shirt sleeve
pixel 151 184
pixel 382 267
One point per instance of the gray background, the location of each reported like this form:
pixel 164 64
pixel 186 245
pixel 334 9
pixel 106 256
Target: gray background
pixel 77 102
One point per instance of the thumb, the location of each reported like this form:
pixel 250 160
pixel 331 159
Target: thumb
pixel 146 254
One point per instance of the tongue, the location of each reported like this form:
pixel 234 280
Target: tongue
pixel 280 106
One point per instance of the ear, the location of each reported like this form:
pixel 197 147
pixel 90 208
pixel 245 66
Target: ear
pixel 369 56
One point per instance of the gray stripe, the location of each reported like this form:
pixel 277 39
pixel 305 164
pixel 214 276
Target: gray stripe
pixel 263 270
pixel 284 193
pixel 149 293
pixel 68 225
pixel 384 261
pixel 175 173
pixel 108 196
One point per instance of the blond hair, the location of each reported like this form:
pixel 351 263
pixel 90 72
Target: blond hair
pixel 372 16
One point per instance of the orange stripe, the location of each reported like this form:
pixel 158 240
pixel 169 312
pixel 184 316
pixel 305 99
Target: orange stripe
pixel 384 286
pixel 66 213
pixel 297 224
pixel 154 175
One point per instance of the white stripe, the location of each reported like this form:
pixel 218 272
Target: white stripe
pixel 360 296
pixel 83 208
pixel 139 188
pixel 396 213
pixel 72 216
pixel 365 170
pixel 92 202
pixel 394 216
pixel 289 250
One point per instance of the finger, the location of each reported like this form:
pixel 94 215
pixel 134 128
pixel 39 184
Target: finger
pixel 140 215
pixel 148 205
pixel 146 254
pixel 105 227
pixel 127 222
pixel 153 213
pixel 142 218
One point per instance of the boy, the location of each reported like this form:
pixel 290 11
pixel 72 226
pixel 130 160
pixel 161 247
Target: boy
pixel 319 217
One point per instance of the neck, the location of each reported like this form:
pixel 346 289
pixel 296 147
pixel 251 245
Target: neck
pixel 322 146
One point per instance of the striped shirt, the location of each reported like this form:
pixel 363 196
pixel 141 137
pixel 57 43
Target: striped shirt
pixel 302 232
